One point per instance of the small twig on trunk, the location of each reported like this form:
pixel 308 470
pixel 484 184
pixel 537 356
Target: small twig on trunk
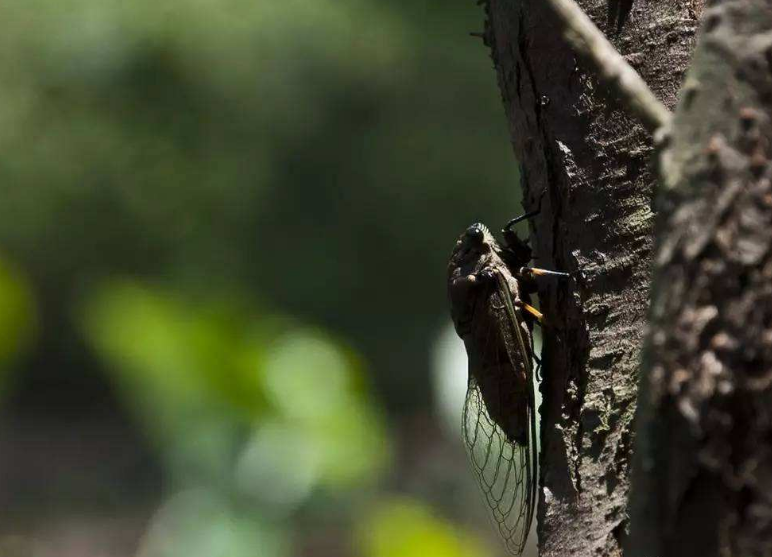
pixel 612 68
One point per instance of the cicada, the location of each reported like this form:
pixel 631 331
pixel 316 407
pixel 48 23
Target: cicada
pixel 489 287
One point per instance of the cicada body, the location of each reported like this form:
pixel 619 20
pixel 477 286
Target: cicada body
pixel 488 297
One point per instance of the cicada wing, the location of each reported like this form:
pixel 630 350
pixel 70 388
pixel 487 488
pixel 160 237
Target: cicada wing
pixel 505 470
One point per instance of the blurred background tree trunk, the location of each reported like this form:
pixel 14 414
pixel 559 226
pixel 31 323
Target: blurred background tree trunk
pixel 703 466
pixel 585 162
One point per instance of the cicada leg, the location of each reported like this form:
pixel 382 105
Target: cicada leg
pixel 521 218
pixel 535 312
pixel 526 216
pixel 536 272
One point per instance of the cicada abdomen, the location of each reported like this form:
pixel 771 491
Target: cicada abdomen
pixel 499 421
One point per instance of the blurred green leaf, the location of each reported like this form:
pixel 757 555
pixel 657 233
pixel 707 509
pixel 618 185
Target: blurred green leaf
pixel 186 352
pixel 188 368
pixel 202 374
pixel 407 528
pixel 201 523
pixel 307 376
pixel 354 445
pixel 315 385
pixel 279 467
pixel 17 315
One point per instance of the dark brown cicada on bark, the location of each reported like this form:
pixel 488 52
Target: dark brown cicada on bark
pixel 489 287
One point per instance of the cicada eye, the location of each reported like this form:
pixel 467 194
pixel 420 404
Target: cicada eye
pixel 476 234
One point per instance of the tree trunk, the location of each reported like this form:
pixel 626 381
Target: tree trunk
pixel 585 162
pixel 703 474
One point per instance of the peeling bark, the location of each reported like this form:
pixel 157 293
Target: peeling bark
pixel 587 162
pixel 703 473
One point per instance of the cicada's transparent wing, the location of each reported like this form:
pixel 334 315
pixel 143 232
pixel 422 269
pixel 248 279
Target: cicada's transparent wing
pixel 505 470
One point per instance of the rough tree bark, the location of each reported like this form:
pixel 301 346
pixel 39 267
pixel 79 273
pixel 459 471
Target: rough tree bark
pixel 585 162
pixel 703 473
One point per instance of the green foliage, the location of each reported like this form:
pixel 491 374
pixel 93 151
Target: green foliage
pixel 202 523
pixel 183 353
pixel 297 146
pixel 406 528
pixel 323 154
pixel 202 370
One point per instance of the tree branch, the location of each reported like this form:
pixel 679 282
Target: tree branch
pixel 585 163
pixel 703 471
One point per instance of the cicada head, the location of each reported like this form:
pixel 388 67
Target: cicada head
pixel 473 248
